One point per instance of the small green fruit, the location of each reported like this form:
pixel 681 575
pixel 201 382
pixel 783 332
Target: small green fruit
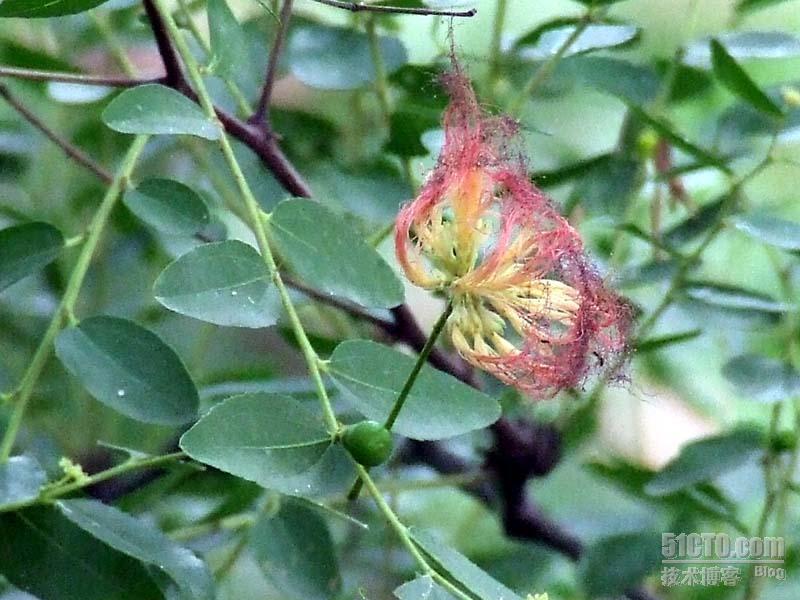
pixel 368 442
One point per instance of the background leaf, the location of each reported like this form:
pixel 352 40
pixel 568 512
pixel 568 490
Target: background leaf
pixel 130 369
pixel 738 81
pixel 168 206
pixel 706 459
pixel 20 479
pixel 27 248
pixel 53 8
pixel 761 378
pixel 143 542
pixel 45 554
pixel 617 563
pixel 593 37
pixel 228 43
pixel 225 283
pixel 333 58
pixel 156 109
pixel 328 254
pixel 770 230
pixel 295 551
pixel 439 405
pixel 422 588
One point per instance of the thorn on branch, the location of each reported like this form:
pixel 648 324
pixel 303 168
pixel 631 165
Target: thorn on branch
pixel 361 7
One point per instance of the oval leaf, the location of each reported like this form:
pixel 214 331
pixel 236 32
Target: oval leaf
pixel 129 368
pixel 143 542
pixel 761 378
pixel 593 37
pixel 439 405
pixel 770 230
pixel 20 479
pixel 32 9
pixel 734 298
pixel 334 58
pixel 225 283
pixel 45 554
pixel 156 109
pixel 168 206
pixel 422 588
pixel 295 551
pixel 264 438
pixel 27 248
pixel 706 459
pixel 329 254
pixel 736 79
pixel 617 563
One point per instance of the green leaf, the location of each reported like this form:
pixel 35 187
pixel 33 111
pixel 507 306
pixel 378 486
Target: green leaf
pixel 228 43
pixel 631 83
pixel 697 224
pixel 48 556
pixel 225 283
pixel 745 6
pixel 619 562
pixel 422 588
pixel 666 131
pixel 129 369
pixel 770 230
pixel 736 79
pixel 662 341
pixel 327 253
pixel 333 58
pixel 607 187
pixel 599 2
pixel 156 109
pixel 144 542
pixel 27 248
pixel 31 9
pixel 761 378
pixel 439 405
pixel 734 298
pixel 272 440
pixel 295 551
pixel 706 459
pixel 168 206
pixel 593 37
pixel 461 569
pixel 20 479
pixel 572 171
pixel 742 45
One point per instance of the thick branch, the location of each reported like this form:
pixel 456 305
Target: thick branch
pixel 172 65
pixel 262 110
pixel 70 149
pixel 360 6
pixel 81 78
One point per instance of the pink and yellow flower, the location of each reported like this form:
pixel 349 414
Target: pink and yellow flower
pixel 528 306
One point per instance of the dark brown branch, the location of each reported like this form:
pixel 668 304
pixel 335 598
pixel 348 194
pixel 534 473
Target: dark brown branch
pixel 69 149
pixel 81 78
pixel 359 7
pixel 261 113
pixel 172 65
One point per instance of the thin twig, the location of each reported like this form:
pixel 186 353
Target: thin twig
pixel 80 78
pixel 261 114
pixel 68 147
pixel 361 7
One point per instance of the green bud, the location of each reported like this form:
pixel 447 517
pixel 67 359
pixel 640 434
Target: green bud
pixel 368 442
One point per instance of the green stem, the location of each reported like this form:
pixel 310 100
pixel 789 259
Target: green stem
pixel 754 583
pixel 67 306
pixel 544 71
pixel 405 538
pixel 497 38
pixel 422 358
pixel 133 464
pixel 254 215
